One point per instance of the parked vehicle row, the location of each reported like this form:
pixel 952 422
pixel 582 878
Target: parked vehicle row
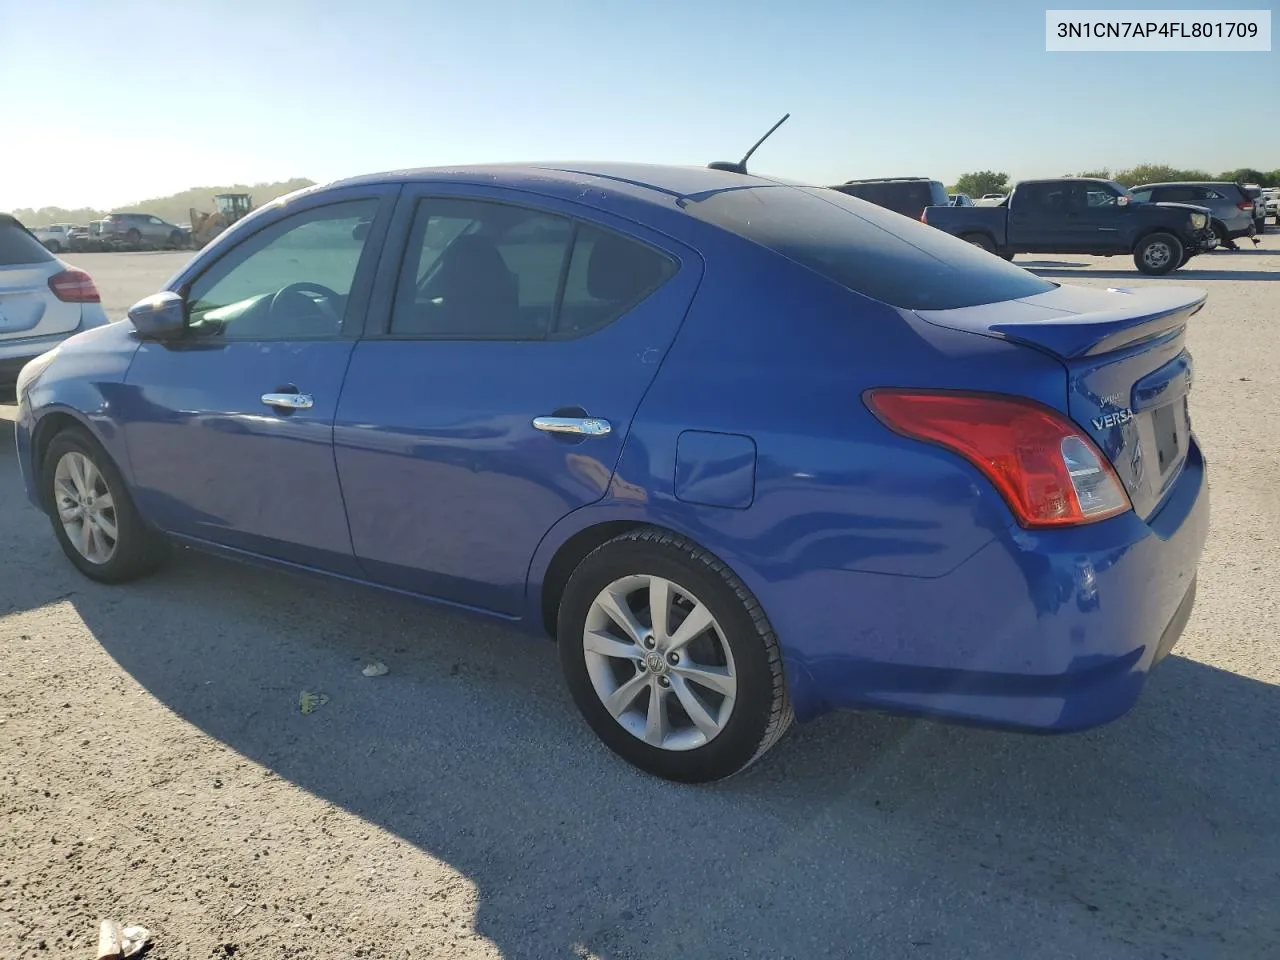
pixel 1098 217
pixel 562 396
pixel 116 231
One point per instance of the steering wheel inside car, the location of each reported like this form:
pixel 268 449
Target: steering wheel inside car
pixel 299 303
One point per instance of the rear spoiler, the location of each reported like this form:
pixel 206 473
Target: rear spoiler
pixel 1103 331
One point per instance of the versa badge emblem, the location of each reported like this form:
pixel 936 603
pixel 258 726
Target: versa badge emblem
pixel 1119 417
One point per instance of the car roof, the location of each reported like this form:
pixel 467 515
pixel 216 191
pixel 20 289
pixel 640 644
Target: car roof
pixel 1187 183
pixel 638 180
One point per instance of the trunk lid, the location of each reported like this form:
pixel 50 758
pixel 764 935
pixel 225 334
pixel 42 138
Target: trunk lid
pixel 28 307
pixel 1128 370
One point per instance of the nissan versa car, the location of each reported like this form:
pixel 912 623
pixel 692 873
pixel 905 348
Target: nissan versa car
pixel 749 450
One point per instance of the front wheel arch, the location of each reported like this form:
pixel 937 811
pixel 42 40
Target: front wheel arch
pixel 48 427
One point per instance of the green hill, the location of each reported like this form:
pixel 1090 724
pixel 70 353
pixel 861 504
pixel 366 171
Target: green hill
pixel 175 208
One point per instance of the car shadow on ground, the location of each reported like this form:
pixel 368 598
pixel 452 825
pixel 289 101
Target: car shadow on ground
pixel 858 835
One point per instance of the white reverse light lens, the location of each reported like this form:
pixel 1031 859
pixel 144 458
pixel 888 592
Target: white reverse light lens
pixel 1097 488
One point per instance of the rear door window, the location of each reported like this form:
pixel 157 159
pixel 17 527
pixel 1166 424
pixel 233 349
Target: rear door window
pixel 481 270
pixel 17 247
pixel 861 247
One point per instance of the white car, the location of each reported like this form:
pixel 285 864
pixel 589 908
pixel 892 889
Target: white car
pixel 56 237
pixel 1271 197
pixel 42 300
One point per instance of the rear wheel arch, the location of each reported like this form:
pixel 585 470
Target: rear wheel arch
pixel 566 559
pixel 981 238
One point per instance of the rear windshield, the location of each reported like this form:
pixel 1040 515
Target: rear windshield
pixel 865 248
pixel 19 247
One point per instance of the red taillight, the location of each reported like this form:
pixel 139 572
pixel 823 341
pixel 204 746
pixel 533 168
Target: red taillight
pixel 1245 204
pixel 1049 473
pixel 74 286
pixel 924 216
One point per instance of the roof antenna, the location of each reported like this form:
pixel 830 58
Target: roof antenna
pixel 741 165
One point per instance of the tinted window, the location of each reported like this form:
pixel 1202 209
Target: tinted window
pixel 1045 198
pixel 19 247
pixel 608 275
pixel 1178 194
pixel 480 270
pixel 1142 196
pixel 290 281
pixel 901 262
pixel 907 197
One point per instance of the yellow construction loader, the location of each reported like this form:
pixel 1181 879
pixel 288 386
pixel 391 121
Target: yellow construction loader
pixel 230 208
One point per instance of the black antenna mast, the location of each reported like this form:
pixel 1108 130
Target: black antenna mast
pixel 741 165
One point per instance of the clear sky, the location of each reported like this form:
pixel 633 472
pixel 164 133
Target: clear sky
pixel 103 102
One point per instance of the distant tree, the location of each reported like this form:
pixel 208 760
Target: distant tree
pixel 1102 173
pixel 1248 175
pixel 982 182
pixel 1158 173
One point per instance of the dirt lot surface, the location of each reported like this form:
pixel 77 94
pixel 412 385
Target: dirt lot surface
pixel 155 766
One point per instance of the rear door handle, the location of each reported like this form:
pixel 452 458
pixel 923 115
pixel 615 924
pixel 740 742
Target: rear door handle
pixel 289 401
pixel 581 426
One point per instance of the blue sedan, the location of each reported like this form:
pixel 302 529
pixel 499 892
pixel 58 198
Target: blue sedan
pixel 749 450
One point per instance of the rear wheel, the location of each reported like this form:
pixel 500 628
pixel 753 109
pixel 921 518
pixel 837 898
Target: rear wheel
pixel 1158 254
pixel 93 516
pixel 134 237
pixel 670 658
pixel 980 240
pixel 175 239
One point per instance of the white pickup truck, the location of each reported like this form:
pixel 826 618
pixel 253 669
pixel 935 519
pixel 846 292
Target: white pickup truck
pixel 56 237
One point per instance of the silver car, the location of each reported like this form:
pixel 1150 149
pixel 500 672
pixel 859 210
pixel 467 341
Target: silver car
pixel 42 300
pixel 1231 207
pixel 141 230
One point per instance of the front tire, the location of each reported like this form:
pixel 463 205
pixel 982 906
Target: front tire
pixel 53 246
pixel 1158 254
pixel 694 694
pixel 93 516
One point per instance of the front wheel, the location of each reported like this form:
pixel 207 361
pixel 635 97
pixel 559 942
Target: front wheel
pixel 670 658
pixel 93 516
pixel 1158 254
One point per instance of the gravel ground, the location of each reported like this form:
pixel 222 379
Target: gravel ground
pixel 155 766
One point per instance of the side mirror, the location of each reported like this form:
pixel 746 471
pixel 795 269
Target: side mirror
pixel 1122 201
pixel 161 316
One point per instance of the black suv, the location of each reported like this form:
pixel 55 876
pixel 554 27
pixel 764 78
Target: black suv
pixel 905 195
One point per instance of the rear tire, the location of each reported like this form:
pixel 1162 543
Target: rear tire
pixel 980 240
pixel 175 240
pixel 698 709
pixel 82 490
pixel 134 238
pixel 1158 254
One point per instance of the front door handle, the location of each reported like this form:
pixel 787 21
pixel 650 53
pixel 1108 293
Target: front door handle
pixel 580 426
pixel 289 401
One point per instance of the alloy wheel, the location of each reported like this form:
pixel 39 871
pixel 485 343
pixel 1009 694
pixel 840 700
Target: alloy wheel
pixel 659 662
pixel 86 508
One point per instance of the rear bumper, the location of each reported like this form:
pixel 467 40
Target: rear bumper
pixel 1043 631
